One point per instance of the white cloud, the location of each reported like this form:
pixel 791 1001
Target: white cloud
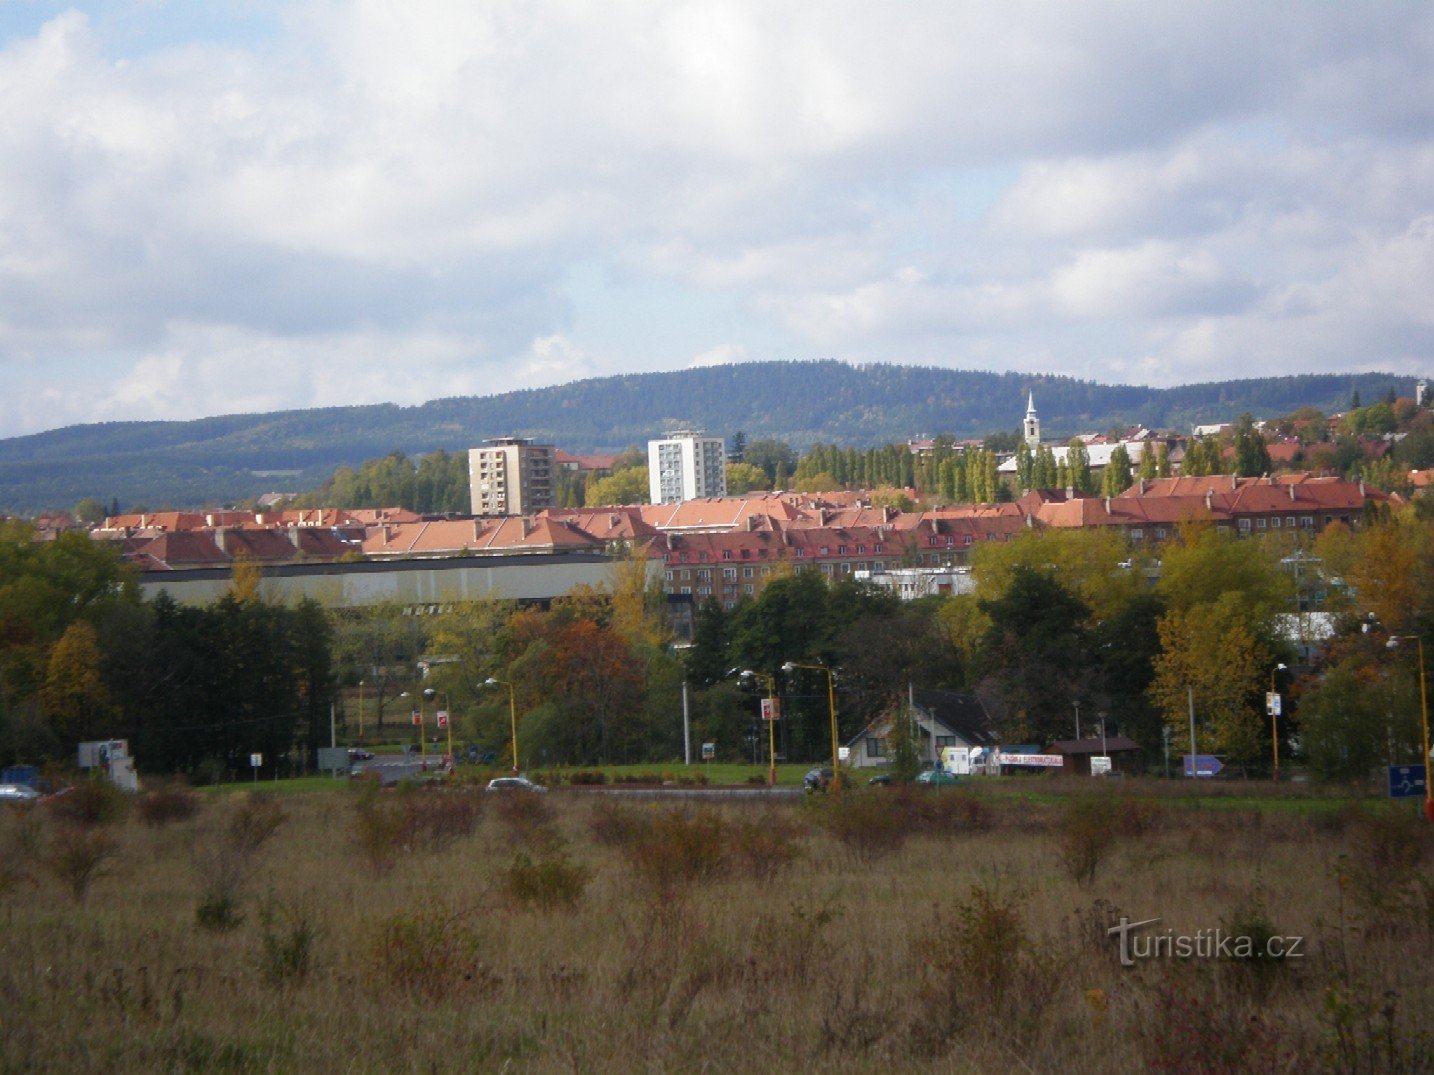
pixel 1152 191
pixel 724 354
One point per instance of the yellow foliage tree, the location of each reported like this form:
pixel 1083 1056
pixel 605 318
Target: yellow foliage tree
pixel 74 696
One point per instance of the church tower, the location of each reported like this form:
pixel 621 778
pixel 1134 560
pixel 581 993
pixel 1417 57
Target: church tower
pixel 1032 431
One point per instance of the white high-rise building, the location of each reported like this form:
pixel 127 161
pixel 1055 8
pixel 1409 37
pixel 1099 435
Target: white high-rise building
pixel 685 466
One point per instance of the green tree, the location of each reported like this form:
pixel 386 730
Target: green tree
pixel 89 510
pixel 744 477
pixel 1252 457
pixel 1355 719
pixel 628 485
pixel 1117 477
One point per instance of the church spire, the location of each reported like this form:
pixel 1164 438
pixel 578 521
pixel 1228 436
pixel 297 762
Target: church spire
pixel 1031 429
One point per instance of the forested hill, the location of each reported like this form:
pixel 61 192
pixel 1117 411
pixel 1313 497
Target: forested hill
pixel 220 460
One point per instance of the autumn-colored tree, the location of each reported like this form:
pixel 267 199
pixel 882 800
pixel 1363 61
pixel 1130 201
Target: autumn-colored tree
pixel 1358 716
pixel 1202 564
pixel 627 485
pixel 639 607
pixel 744 477
pixel 1211 648
pixel 1087 561
pixel 1390 570
pixel 76 701
pixel 245 577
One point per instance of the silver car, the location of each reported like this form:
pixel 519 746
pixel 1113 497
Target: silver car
pixel 17 793
pixel 514 783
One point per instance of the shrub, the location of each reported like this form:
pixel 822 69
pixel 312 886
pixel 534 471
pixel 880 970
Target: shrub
pixel 164 805
pixel 95 801
pixel 764 846
pixel 287 938
pixel 1085 836
pixel 868 825
pixel 614 824
pixel 77 855
pixel 218 910
pixel 549 882
pixel 524 812
pixel 430 951
pixel 585 778
pixel 1385 853
pixel 678 849
pixel 257 816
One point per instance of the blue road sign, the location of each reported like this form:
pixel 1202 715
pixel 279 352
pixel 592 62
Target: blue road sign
pixel 1205 765
pixel 1406 781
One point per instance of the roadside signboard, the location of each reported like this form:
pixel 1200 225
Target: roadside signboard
pixel 333 758
pixel 417 717
pixel 1044 761
pixel 709 751
pixel 1407 781
pixel 256 761
pixel 443 718
pixel 1205 765
pixel 843 753
pixel 771 709
pixel 1272 703
pixel 1099 764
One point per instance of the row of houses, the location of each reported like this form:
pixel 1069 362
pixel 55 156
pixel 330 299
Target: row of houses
pixel 727 547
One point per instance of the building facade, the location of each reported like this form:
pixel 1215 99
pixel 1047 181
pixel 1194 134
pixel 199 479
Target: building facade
pixel 511 476
pixel 686 466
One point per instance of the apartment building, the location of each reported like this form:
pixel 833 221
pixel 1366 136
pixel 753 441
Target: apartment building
pixel 686 466
pixel 511 476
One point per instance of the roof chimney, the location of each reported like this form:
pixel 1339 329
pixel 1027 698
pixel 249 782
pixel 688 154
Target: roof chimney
pixel 1291 488
pixel 1209 500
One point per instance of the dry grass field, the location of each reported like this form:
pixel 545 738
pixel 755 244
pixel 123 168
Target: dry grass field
pixel 450 930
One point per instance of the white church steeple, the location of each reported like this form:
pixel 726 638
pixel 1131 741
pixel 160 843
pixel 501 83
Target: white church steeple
pixel 1032 428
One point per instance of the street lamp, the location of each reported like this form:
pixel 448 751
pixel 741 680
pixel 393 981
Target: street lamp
pixel 1423 718
pixel 1274 708
pixel 361 682
pixel 831 709
pixel 428 693
pixel 512 714
pixel 771 717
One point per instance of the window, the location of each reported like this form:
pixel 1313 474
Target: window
pixel 875 748
pixel 726 554
pixel 704 574
pixel 747 587
pixel 945 741
pixel 704 591
pixel 876 548
pixel 669 575
pixel 747 572
pixel 1275 522
pixel 841 550
pixel 846 569
pixel 801 553
pixel 1160 533
pixel 826 550
pixel 729 572
pixel 702 556
pixel 967 539
pixel 1137 535
pixel 1306 522
pixel 1261 523
pixel 686 590
pixel 1290 521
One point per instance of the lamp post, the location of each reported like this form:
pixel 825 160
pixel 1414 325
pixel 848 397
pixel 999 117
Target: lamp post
pixel 428 695
pixel 1423 719
pixel 361 682
pixel 512 714
pixel 771 716
pixel 1076 704
pixel 1274 707
pixel 831 709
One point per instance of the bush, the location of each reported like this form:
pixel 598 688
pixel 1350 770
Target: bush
pixel 869 824
pixel 164 805
pixel 763 847
pixel 526 813
pixel 257 816
pixel 429 951
pixel 218 910
pixel 95 801
pixel 549 883
pixel 677 849
pixel 614 824
pixel 1085 836
pixel 287 938
pixel 584 778
pixel 76 856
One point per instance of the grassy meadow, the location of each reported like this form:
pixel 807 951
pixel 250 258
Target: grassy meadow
pixel 358 930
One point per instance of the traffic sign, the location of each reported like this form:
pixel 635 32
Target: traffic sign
pixel 1407 781
pixel 709 751
pixel 1205 765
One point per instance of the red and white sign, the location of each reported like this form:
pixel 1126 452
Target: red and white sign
pixel 417 718
pixel 1048 761
pixel 771 709
pixel 443 718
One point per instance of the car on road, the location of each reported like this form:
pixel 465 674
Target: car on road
pixel 937 777
pixel 820 779
pixel 360 755
pixel 17 793
pixel 880 780
pixel 514 783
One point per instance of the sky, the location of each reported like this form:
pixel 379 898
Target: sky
pixel 253 205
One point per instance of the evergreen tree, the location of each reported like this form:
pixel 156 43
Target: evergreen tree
pixel 1117 472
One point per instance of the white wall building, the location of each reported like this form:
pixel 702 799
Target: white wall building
pixel 686 466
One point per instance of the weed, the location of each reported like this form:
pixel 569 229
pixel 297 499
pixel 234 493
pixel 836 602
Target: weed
pixel 583 778
pixel 256 818
pixel 525 814
pixel 678 849
pixel 614 824
pixel 1192 1028
pixel 764 846
pixel 218 910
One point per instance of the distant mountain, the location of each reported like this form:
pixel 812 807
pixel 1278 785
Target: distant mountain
pixel 212 461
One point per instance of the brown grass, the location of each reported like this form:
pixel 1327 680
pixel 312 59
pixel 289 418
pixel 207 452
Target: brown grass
pixel 966 946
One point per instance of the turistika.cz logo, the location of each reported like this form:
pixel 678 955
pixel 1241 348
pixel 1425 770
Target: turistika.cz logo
pixel 1136 945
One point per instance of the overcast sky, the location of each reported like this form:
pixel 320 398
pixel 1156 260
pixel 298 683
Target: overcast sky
pixel 245 205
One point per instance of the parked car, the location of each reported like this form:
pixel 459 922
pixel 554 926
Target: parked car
pixel 514 783
pixel 17 793
pixel 937 777
pixel 820 779
pixel 880 780
pixel 360 755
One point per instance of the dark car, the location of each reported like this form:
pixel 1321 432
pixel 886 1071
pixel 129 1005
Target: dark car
pixel 360 755
pixel 820 779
